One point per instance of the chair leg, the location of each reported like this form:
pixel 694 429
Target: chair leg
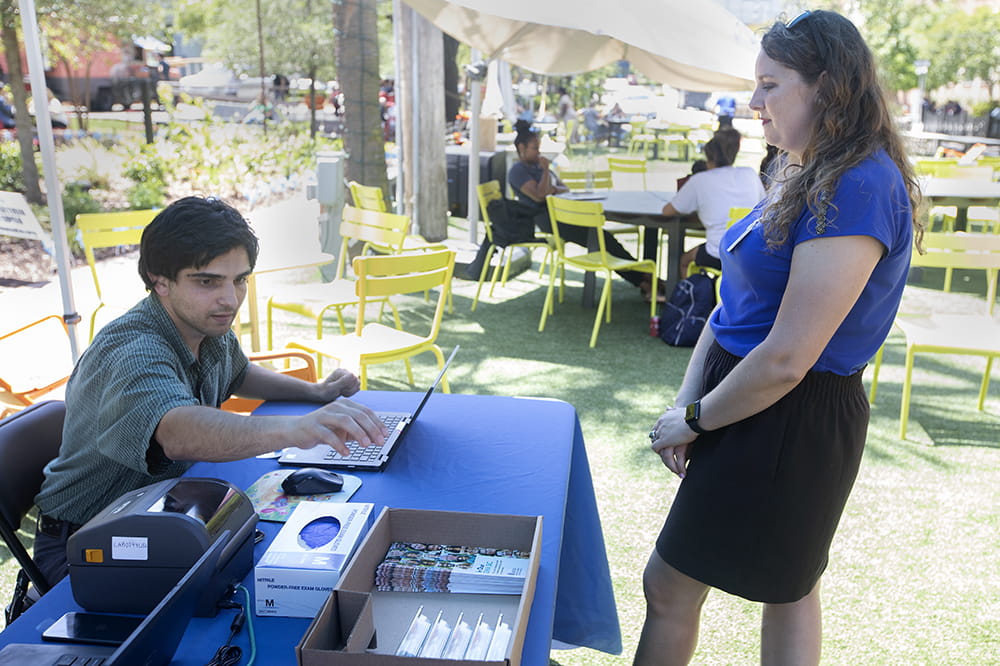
pixel 605 300
pixel 504 256
pixel 985 386
pixel 904 407
pixel 947 280
pixel 409 371
pixel 482 274
pixel 875 369
pixel 445 388
pixel 506 268
pixel 547 305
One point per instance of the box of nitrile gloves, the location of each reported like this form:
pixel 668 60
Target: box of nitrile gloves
pixel 295 575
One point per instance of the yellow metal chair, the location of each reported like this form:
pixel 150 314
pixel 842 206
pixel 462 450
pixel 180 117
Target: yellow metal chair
pixel 487 192
pixel 304 368
pixel 589 215
pixel 578 181
pixel 963 334
pixel 376 231
pixel 634 166
pixel 641 141
pixel 736 213
pixel 380 277
pixel 101 230
pixel 371 198
pixel 25 380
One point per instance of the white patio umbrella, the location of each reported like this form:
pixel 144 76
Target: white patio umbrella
pixel 692 45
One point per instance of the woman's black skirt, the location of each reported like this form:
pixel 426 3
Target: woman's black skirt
pixel 761 500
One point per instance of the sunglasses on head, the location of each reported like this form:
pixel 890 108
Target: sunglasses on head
pixel 814 33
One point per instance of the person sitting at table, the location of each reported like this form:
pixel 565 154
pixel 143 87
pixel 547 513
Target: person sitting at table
pixel 142 402
pixel 532 180
pixel 711 193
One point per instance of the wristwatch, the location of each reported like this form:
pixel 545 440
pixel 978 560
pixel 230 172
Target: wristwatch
pixel 691 415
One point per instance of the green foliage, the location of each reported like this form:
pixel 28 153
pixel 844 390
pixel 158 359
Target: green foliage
pixel 11 167
pixel 885 29
pixel 76 199
pixel 984 108
pixel 145 195
pixel 962 46
pixel 147 167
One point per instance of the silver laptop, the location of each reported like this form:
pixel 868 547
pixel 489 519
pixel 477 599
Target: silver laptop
pixel 154 641
pixel 371 458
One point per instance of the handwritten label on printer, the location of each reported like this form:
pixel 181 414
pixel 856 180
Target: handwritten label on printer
pixel 129 548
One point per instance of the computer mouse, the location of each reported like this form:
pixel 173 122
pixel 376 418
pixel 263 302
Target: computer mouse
pixel 312 481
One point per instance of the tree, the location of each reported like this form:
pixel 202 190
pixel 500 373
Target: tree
pixel 963 46
pixel 299 38
pixel 77 30
pixel 358 73
pixel 888 30
pixel 10 17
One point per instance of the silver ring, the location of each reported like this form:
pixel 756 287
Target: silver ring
pixel 652 435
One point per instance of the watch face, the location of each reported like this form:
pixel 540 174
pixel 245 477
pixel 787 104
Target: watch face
pixel 692 412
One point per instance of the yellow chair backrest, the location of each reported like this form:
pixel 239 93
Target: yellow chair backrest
pixel 589 214
pixel 98 230
pixel 380 276
pixel 939 168
pixel 380 232
pixel 636 165
pixel 577 180
pixel 487 192
pixel 963 250
pixel 627 164
pixel 367 196
pixel 737 213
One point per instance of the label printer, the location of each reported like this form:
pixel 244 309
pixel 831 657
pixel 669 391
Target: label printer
pixel 127 557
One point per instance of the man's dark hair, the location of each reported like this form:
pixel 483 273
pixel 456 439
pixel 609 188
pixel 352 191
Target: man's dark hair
pixel 191 233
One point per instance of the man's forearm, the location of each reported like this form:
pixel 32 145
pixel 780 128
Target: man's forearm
pixel 197 433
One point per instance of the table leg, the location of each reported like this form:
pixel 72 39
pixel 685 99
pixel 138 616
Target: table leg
pixel 590 277
pixel 675 248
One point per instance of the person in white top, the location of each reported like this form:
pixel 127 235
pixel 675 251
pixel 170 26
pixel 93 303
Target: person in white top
pixel 712 193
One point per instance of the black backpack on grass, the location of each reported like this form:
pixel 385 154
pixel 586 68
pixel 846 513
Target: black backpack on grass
pixel 686 311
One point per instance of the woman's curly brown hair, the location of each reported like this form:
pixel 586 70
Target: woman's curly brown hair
pixel 852 120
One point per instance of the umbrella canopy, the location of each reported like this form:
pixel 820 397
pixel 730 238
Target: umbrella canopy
pixel 697 46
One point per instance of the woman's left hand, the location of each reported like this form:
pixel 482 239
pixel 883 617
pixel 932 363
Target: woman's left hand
pixel 671 438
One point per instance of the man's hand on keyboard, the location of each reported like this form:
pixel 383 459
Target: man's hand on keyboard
pixel 339 422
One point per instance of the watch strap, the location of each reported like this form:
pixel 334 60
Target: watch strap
pixel 691 415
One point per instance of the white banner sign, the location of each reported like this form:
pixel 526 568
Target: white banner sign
pixel 16 219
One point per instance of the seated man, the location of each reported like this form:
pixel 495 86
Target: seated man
pixel 142 402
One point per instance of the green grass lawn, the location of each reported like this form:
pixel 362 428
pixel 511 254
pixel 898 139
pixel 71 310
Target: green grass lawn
pixel 914 574
pixel 915 568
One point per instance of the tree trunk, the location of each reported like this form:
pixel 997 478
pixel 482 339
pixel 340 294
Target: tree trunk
pixel 422 117
pixel 452 98
pixel 25 134
pixel 358 72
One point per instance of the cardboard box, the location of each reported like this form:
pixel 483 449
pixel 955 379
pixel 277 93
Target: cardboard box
pixel 299 569
pixel 359 626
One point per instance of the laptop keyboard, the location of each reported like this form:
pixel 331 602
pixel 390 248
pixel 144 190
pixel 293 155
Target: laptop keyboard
pixel 73 660
pixel 366 453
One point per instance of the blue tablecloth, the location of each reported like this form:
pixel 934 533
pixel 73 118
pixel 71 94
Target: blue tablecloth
pixel 465 453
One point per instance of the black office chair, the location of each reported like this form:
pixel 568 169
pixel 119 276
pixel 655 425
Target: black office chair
pixel 29 439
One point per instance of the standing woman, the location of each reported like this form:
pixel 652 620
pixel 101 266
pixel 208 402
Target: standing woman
pixel 770 420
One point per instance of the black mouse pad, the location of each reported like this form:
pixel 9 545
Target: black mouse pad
pixel 272 504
